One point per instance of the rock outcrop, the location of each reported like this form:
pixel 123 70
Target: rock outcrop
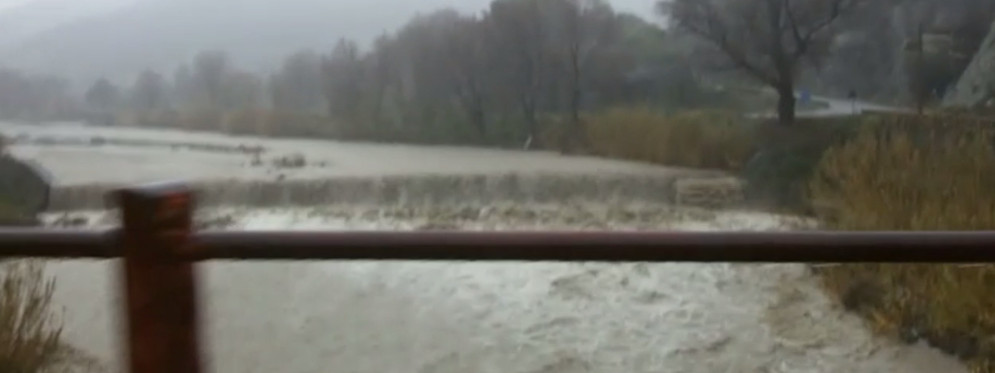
pixel 976 86
pixel 24 191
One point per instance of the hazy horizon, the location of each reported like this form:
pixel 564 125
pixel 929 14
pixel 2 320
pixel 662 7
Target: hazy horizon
pixel 118 38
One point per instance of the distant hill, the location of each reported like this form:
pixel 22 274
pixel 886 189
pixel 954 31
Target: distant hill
pixel 160 34
pixel 25 18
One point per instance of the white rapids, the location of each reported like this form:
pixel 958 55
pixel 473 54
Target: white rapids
pixel 393 317
pixel 509 317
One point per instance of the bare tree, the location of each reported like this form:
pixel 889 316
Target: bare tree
pixel 243 90
pixel 519 40
pixel 468 67
pixel 210 68
pixel 299 82
pixel 341 75
pixel 379 73
pixel 587 26
pixel 767 39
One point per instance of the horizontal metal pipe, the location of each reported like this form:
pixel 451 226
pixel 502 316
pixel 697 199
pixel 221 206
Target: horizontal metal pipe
pixel 806 247
pixel 47 243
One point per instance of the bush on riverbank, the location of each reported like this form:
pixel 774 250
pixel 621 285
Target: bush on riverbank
pixel 909 173
pixel 777 174
pixel 775 161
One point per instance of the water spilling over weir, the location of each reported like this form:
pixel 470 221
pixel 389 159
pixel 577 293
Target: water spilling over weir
pixel 455 317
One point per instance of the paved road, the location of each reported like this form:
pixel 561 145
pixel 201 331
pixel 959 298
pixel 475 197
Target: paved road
pixel 845 107
pixel 838 107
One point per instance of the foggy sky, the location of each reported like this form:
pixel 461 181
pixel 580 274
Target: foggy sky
pixel 118 38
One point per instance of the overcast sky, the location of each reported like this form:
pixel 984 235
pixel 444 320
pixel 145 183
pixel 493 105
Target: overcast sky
pixel 87 6
pixel 639 6
pixel 258 35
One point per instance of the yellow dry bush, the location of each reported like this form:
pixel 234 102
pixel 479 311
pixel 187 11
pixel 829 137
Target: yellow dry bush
pixel 246 122
pixel 930 173
pixel 291 124
pixel 699 139
pixel 200 120
pixel 29 332
pixel 899 178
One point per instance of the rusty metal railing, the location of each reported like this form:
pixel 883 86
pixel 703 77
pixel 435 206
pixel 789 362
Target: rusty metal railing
pixel 159 250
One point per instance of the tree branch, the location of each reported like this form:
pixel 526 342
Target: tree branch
pixel 713 30
pixel 804 41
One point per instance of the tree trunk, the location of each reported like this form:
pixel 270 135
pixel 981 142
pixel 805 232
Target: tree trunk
pixel 570 138
pixel 479 121
pixel 531 122
pixel 786 104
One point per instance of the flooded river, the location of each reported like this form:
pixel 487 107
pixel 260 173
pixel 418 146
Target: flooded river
pixel 507 317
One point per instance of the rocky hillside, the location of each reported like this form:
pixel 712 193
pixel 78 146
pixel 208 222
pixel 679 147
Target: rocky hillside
pixel 977 84
pixel 873 51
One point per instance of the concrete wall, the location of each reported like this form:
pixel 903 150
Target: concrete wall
pixel 407 190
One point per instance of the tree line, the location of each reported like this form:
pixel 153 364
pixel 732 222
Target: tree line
pixel 493 78
pixel 502 77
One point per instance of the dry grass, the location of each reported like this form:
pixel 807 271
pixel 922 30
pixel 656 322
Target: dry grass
pixel 930 173
pixel 698 139
pixel 29 332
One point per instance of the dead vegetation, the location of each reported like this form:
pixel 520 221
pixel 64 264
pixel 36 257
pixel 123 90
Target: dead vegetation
pixel 698 139
pixel 916 174
pixel 30 331
pixel 877 172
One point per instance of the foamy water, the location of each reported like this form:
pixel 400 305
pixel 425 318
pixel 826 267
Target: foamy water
pixel 507 317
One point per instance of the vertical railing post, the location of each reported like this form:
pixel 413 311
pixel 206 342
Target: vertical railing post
pixel 160 286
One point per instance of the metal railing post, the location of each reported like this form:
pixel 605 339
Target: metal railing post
pixel 160 286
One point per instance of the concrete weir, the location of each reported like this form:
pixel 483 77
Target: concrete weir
pixel 88 162
pixel 442 317
pixel 402 190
